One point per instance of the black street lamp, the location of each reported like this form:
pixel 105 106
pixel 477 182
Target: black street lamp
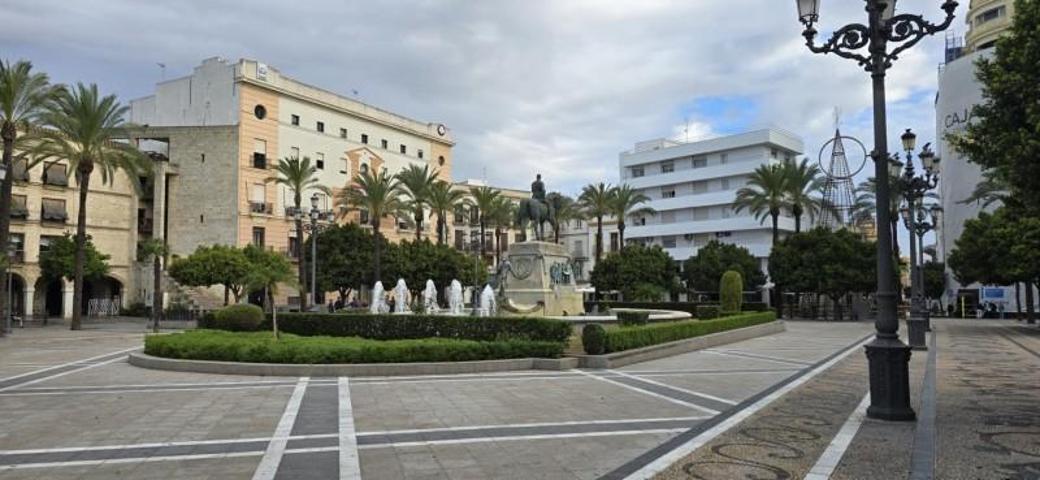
pixel 888 356
pixel 915 187
pixel 314 228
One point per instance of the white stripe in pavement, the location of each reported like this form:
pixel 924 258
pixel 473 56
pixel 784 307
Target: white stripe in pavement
pixel 85 360
pixel 62 374
pixel 691 392
pixel 755 356
pixel 530 425
pixel 666 460
pixel 276 448
pixel 349 464
pixel 830 458
pixel 650 393
pixel 81 463
pixel 142 390
pixel 549 436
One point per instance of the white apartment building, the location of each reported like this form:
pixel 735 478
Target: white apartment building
pixel 692 187
pixel 579 238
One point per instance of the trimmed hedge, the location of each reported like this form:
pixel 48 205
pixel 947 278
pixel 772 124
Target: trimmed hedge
pixel 688 307
pixel 399 327
pixel 239 318
pixel 731 288
pixel 707 312
pixel 593 339
pixel 630 317
pixel 627 338
pixel 261 347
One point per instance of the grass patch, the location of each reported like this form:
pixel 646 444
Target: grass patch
pixel 628 338
pixel 261 347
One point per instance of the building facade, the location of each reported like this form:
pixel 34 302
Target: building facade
pixel 987 20
pixel 464 226
pixel 579 237
pixel 224 128
pixel 692 186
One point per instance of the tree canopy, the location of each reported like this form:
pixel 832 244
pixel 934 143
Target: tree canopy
pixel 635 266
pixel 214 265
pixel 832 263
pixel 998 248
pixel 59 260
pixel 703 271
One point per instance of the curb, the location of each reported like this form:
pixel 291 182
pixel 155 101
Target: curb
pixel 350 370
pixel 654 352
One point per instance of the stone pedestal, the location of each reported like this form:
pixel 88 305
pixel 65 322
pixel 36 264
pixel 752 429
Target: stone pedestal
pixel 539 281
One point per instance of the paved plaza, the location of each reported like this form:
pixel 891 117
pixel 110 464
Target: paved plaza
pixel 787 405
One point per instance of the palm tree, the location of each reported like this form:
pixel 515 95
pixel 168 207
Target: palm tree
pixel 991 189
pixel 596 200
pixel 416 184
pixel 380 195
pixel 298 175
pixel 23 97
pixel 765 195
pixel 155 249
pixel 565 209
pixel 866 200
pixel 627 203
pixel 483 200
pixel 443 198
pixel 501 217
pixel 803 182
pixel 84 128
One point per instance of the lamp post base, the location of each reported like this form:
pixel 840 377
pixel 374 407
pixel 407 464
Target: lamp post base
pixel 889 364
pixel 916 327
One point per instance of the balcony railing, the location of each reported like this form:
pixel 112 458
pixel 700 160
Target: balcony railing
pixel 260 207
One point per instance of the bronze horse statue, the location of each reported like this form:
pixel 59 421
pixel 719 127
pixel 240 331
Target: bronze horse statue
pixel 538 212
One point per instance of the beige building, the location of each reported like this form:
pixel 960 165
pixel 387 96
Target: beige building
pixel 224 128
pixel 44 207
pixel 464 227
pixel 987 20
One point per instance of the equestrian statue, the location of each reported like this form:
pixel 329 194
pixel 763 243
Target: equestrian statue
pixel 535 210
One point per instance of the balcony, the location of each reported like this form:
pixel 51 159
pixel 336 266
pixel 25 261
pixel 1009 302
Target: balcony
pixel 145 226
pixel 260 207
pixel 54 213
pixel 19 209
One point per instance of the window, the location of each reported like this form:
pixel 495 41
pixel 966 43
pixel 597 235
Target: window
pixel 440 160
pixel 259 153
pixel 258 236
pixel 19 209
pixel 258 198
pixel 54 174
pixel 342 133
pixel 989 15
pixel 787 158
pixel 202 157
pixel 404 150
pixel 723 158
pixel 295 119
pixel 579 249
pixel 474 217
pixel 21 170
pixel 668 217
pixel 577 223
pixel 725 184
pixel 53 209
pixel 460 239
pixel 385 144
pixel 520 237
pixel 363 217
pixel 319 161
pixel 773 153
pixel 700 213
pixel 17 242
pixel 700 162
pixel 503 243
pixel 668 192
pixel 294 247
pixel 260 112
pixel 459 216
pixel 320 127
pixel 699 187
pixel 727 212
pixel 668 167
pixel 614 241
pixel 346 166
pixel 46 241
pixel 364 138
pixel 637 172
pixel 668 242
pixel 419 153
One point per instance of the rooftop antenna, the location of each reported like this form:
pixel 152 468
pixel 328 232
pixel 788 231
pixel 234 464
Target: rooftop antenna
pixel 837 118
pixel 686 129
pixel 162 70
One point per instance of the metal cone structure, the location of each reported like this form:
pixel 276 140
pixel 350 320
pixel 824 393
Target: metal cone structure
pixel 838 190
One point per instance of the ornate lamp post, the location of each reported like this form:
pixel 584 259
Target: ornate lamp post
pixel 914 189
pixel 918 228
pixel 885 36
pixel 314 228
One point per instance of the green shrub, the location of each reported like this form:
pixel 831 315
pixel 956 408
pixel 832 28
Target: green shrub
pixel 594 339
pixel 632 317
pixel 731 291
pixel 242 317
pixel 397 327
pixel 137 309
pixel 627 338
pixel 648 292
pixel 207 320
pixel 261 347
pixel 707 312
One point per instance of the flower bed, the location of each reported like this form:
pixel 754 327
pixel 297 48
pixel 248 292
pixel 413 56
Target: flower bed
pixel 261 347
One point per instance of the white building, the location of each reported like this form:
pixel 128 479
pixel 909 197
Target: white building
pixel 579 237
pixel 692 187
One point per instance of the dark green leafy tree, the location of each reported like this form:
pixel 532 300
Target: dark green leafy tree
pixel 831 263
pixel 703 271
pixel 634 266
pixel 59 260
pixel 1004 136
pixel 934 274
pixel 346 253
pixel 419 261
pixel 154 249
pixel 214 265
pixel 268 270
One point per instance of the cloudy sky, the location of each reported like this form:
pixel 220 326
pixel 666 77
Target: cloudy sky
pixel 554 86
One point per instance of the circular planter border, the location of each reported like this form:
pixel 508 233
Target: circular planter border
pixel 349 370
